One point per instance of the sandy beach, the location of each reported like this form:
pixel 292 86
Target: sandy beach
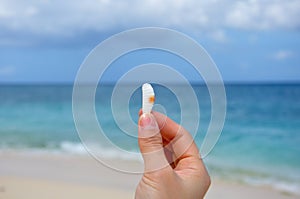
pixel 24 175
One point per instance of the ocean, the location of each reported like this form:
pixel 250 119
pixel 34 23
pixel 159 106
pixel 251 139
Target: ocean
pixel 259 144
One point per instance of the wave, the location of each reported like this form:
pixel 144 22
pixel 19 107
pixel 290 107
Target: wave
pixel 74 148
pixel 291 186
pixel 284 186
pixel 283 182
pixel 78 148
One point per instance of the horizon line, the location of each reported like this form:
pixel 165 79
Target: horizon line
pixel 287 82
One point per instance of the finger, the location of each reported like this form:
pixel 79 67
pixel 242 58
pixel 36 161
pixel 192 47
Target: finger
pixel 161 122
pixel 181 140
pixel 171 131
pixel 151 143
pixel 170 157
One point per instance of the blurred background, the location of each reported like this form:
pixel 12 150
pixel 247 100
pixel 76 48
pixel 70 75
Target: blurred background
pixel 255 44
pixel 250 41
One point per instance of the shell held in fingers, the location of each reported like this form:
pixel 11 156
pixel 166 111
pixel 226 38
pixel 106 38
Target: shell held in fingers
pixel 148 98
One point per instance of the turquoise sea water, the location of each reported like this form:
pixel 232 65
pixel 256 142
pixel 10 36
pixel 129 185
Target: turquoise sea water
pixel 260 142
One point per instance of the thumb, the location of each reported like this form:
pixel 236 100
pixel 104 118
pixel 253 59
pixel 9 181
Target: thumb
pixel 150 143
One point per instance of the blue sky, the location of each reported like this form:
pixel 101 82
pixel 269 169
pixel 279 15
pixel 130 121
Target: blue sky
pixel 250 41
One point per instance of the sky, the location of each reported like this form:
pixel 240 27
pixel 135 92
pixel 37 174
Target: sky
pixel 249 40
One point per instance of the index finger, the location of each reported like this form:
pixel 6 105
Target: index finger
pixel 182 142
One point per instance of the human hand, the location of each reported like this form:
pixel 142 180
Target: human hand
pixel 173 167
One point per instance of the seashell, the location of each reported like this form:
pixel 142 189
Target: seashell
pixel 148 98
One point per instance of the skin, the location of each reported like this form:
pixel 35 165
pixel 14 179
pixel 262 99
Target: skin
pixel 183 176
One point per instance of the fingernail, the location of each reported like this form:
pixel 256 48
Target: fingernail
pixel 147 122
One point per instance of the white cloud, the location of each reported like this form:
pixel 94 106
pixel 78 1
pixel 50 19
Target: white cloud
pixel 219 36
pixel 69 17
pixel 7 71
pixel 268 14
pixel 283 54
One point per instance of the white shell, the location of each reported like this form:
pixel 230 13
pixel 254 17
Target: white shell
pixel 148 98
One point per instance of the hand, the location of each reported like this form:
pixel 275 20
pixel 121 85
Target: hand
pixel 173 167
